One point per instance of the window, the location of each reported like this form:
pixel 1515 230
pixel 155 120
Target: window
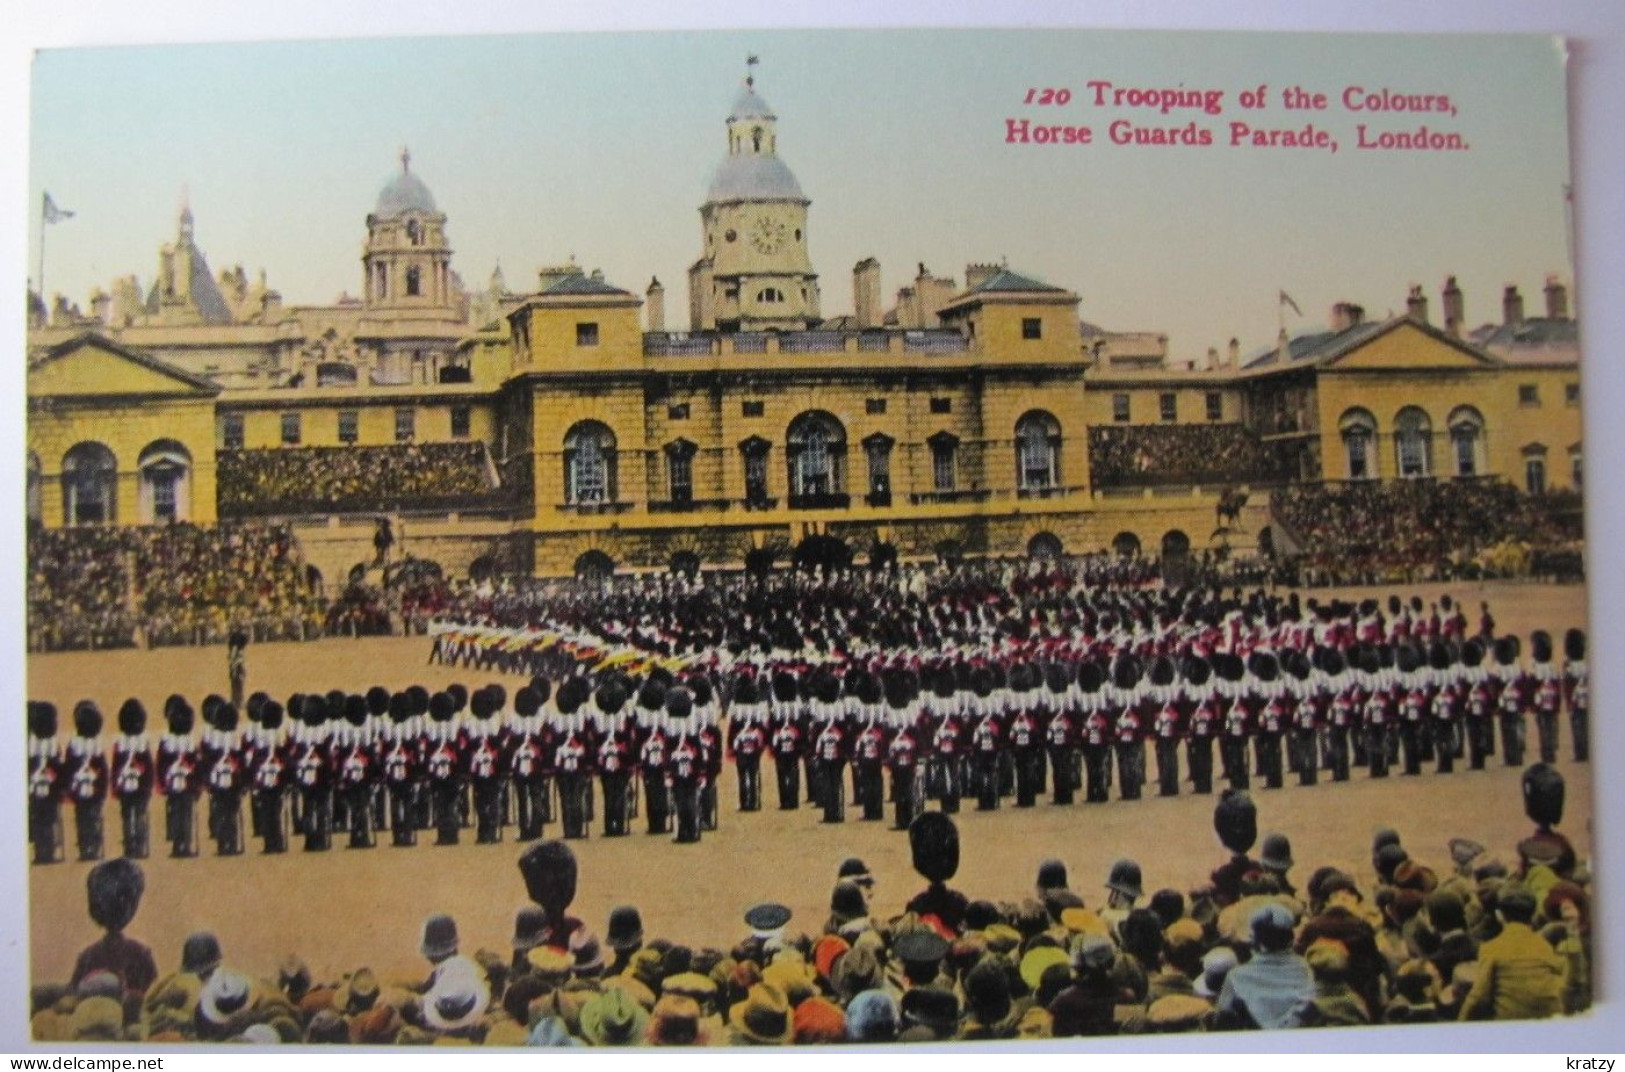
pixel 1038 449
pixel 349 426
pixel 752 408
pixel 290 430
pixel 1215 406
pixel 874 407
pixel 1413 440
pixel 1168 406
pixel 770 295
pixel 1359 429
pixel 1528 394
pixel 942 405
pixel 1576 470
pixel 1571 394
pixel 1534 474
pixel 406 425
pixel 589 464
pixel 89 485
pixel 816 445
pixel 1466 440
pixel 943 449
pixel 231 431
pixel 587 334
pixel 414 232
pixel 165 467
pixel 459 422
pixel 1032 327
pixel 677 411
pixel 877 451
pixel 413 282
pixel 755 451
pixel 1120 409
pixel 680 472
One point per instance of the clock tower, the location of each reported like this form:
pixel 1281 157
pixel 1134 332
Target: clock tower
pixel 755 274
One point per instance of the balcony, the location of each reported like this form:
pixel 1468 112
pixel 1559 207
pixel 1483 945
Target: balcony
pixel 827 500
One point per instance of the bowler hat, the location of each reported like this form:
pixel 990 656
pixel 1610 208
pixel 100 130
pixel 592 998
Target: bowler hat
pixel 1277 853
pixel 200 954
pixel 1125 879
pixel 613 1019
pixel 920 947
pixel 529 925
pixel 439 937
pixel 932 1008
pixel 113 889
pixel 855 870
pixel 625 928
pixel 764 1016
pixel 224 995
pixel 767 918
pixel 676 1022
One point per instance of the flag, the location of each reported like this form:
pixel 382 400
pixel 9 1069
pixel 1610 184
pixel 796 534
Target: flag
pixel 1286 299
pixel 52 214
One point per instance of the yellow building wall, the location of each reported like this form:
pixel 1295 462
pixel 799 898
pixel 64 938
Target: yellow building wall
pixel 375 421
pixel 1145 404
pixel 552 336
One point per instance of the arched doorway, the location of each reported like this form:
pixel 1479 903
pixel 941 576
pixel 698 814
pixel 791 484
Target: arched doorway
pixel 89 485
pixel 686 564
pixel 950 552
pixel 165 488
pixel 1126 545
pixel 826 552
pixel 594 566
pixel 1045 545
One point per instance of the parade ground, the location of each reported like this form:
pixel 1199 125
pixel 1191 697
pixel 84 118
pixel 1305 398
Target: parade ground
pixel 344 909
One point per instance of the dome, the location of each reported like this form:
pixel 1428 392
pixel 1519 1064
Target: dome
pixel 753 177
pixel 748 105
pixel 404 193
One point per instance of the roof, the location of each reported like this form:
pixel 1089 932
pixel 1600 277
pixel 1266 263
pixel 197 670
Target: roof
pixel 1313 347
pixel 206 296
pixel 754 177
pixel 584 285
pixel 139 357
pixel 1535 339
pixel 750 105
pixel 1006 280
pixel 404 193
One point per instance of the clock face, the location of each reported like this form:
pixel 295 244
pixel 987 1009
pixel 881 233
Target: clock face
pixel 767 234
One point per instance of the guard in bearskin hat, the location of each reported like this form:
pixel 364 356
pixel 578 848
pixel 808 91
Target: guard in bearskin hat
pixel 1415 708
pixel 1095 733
pixel 444 759
pixel 1025 733
pixel 1062 735
pixel 1514 699
pixel 869 749
pixel 549 870
pixel 654 756
pixel 934 844
pixel 1543 798
pixel 226 782
pixel 113 891
pixel 132 779
pixel 46 787
pixel 1308 704
pixel 748 739
pixel 179 777
pixel 1235 820
pixel 944 777
pixel 1273 717
pixel 687 764
pixel 1577 692
pixel 706 715
pixel 830 748
pixel 400 760
pixel 483 749
pixel 1548 695
pixel 786 739
pixel 1449 700
pixel 1481 702
pixel 268 778
pixel 1377 714
pixel 1202 724
pixel 1167 725
pixel 572 757
pixel 1237 727
pixel 987 735
pixel 357 769
pixel 524 760
pixel 85 772
pixel 312 759
pixel 902 751
pixel 614 759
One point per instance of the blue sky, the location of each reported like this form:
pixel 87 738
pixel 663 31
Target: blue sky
pixel 601 146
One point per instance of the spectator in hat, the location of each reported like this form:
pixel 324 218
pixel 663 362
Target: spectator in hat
pixel 818 1021
pixel 848 911
pixel 989 1011
pixel 1276 859
pixel 454 1008
pixel 1334 1004
pixel 1567 912
pixel 1416 993
pixel 1181 961
pixel 1343 919
pixel 930 1014
pixel 763 1018
pixel 529 925
pixel 872 1016
pixel 1089 1005
pixel 853 869
pixel 1273 988
pixel 1169 905
pixel 613 1019
pixel 1447 920
pixel 439 942
pixel 1520 976
pixel 624 936
pixel 113 890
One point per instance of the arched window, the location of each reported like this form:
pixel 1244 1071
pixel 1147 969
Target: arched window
pixel 1126 544
pixel 1467 441
pixel 1413 443
pixel 1038 451
pixel 413 282
pixel 166 483
pixel 816 446
pixel 35 516
pixel 595 566
pixel 770 295
pixel 1044 545
pixel 414 232
pixel 589 464
pixel 89 485
pixel 1359 430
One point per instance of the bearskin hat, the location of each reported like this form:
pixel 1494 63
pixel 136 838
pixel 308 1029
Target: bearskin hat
pixel 549 871
pixel 87 719
pixel 1574 644
pixel 1472 653
pixel 271 715
pixel 1264 666
pixel 679 703
pixel 526 702
pixel 41 718
pixel 226 717
pixel 1540 646
pixel 785 686
pixel 1409 658
pixel 1126 672
pixel 1091 676
pixel 441 707
pixel 1235 820
pixel 1543 792
pixel 933 841
pixel 1162 671
pixel 1057 678
pixel 356 709
pixel 114 889
pixel 572 694
pixel 132 717
pixel 178 715
pixel 611 697
pixel 1197 670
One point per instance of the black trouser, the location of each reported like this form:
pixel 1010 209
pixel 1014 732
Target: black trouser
pixel 1444 744
pixel 904 794
pixel 226 820
pixel 871 786
pixel 487 811
pixel 615 786
pixel 815 781
pixel 987 781
pixel 657 802
pixel 402 813
pixel 789 774
pixel 1337 752
pixel 133 820
pixel 834 789
pixel 1063 780
pixel 708 801
pixel 1410 740
pixel 529 809
pixel 266 806
pixel 1131 768
pixel 1167 766
pixel 1546 734
pixel 44 816
pixel 178 824
pixel 1580 730
pixel 358 802
pixel 1304 760
pixel 446 796
pixel 1006 774
pixel 749 769
pixel 1029 766
pixel 1512 739
pixel 1376 750
pixel 574 791
pixel 1480 741
pixel 943 777
pixel 686 795
pixel 1269 754
pixel 1233 751
pixel 318 808
pixel 1097 762
pixel 1199 754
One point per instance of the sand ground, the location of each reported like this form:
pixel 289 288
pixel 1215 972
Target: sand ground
pixel 344 909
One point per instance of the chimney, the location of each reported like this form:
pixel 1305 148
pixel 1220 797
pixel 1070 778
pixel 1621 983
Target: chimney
pixel 1511 306
pixel 866 293
pixel 1212 358
pixel 1346 315
pixel 1235 353
pixel 597 275
pixel 1557 299
pixel 655 305
pixel 1416 305
pixel 977 274
pixel 100 303
pixel 1454 309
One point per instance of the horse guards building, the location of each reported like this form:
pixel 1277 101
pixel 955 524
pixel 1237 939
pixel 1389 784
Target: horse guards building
pixel 568 429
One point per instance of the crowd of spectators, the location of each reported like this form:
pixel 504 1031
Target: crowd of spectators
pixel 1417 530
pixel 304 480
pixel 1269 943
pixel 1122 455
pixel 100 587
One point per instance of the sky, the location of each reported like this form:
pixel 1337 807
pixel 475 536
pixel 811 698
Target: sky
pixel 600 146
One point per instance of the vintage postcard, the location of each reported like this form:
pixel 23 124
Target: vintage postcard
pixel 804 537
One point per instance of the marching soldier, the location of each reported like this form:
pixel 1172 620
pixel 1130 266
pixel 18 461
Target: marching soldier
pixel 443 762
pixel 1308 702
pixel 357 773
pixel 943 764
pixel 268 775
pixel 1096 733
pixel 224 777
pixel 687 765
pixel 869 750
pixel 572 757
pixel 786 740
pixel 747 732
pixel 1026 729
pixel 400 758
pixel 1204 724
pixel 902 752
pixel 313 773
pixel 179 777
pixel 1513 699
pixel 525 759
pixel 484 748
pixel 237 664
pixel 831 752
pixel 133 778
pixel 45 782
pixel 1128 741
pixel 705 718
pixel 654 757
pixel 1482 701
pixel 1273 717
pixel 1376 717
pixel 1577 693
pixel 614 758
pixel 987 737
pixel 1448 703
pixel 1166 727
pixel 1237 723
pixel 1548 695
pixel 85 772
pixel 1415 710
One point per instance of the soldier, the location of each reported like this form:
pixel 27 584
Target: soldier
pixel 400 758
pixel 357 771
pixel 85 773
pixel 223 775
pixel 1306 703
pixel 614 758
pixel 45 782
pixel 1342 712
pixel 687 765
pixel 444 765
pixel 902 752
pixel 1026 730
pixel 1415 709
pixel 934 845
pixel 485 749
pixel 1376 716
pixel 524 761
pixel 1548 695
pixel 987 735
pixel 1577 692
pixel 1127 727
pixel 1096 733
pixel 133 778
pixel 943 771
pixel 1514 699
pixel 747 739
pixel 654 756
pixel 268 774
pixel 786 740
pixel 706 715
pixel 1204 724
pixel 869 750
pixel 572 757
pixel 237 664
pixel 1449 700
pixel 1167 726
pixel 1273 715
pixel 1238 721
pixel 179 777
pixel 313 772
pixel 1482 699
